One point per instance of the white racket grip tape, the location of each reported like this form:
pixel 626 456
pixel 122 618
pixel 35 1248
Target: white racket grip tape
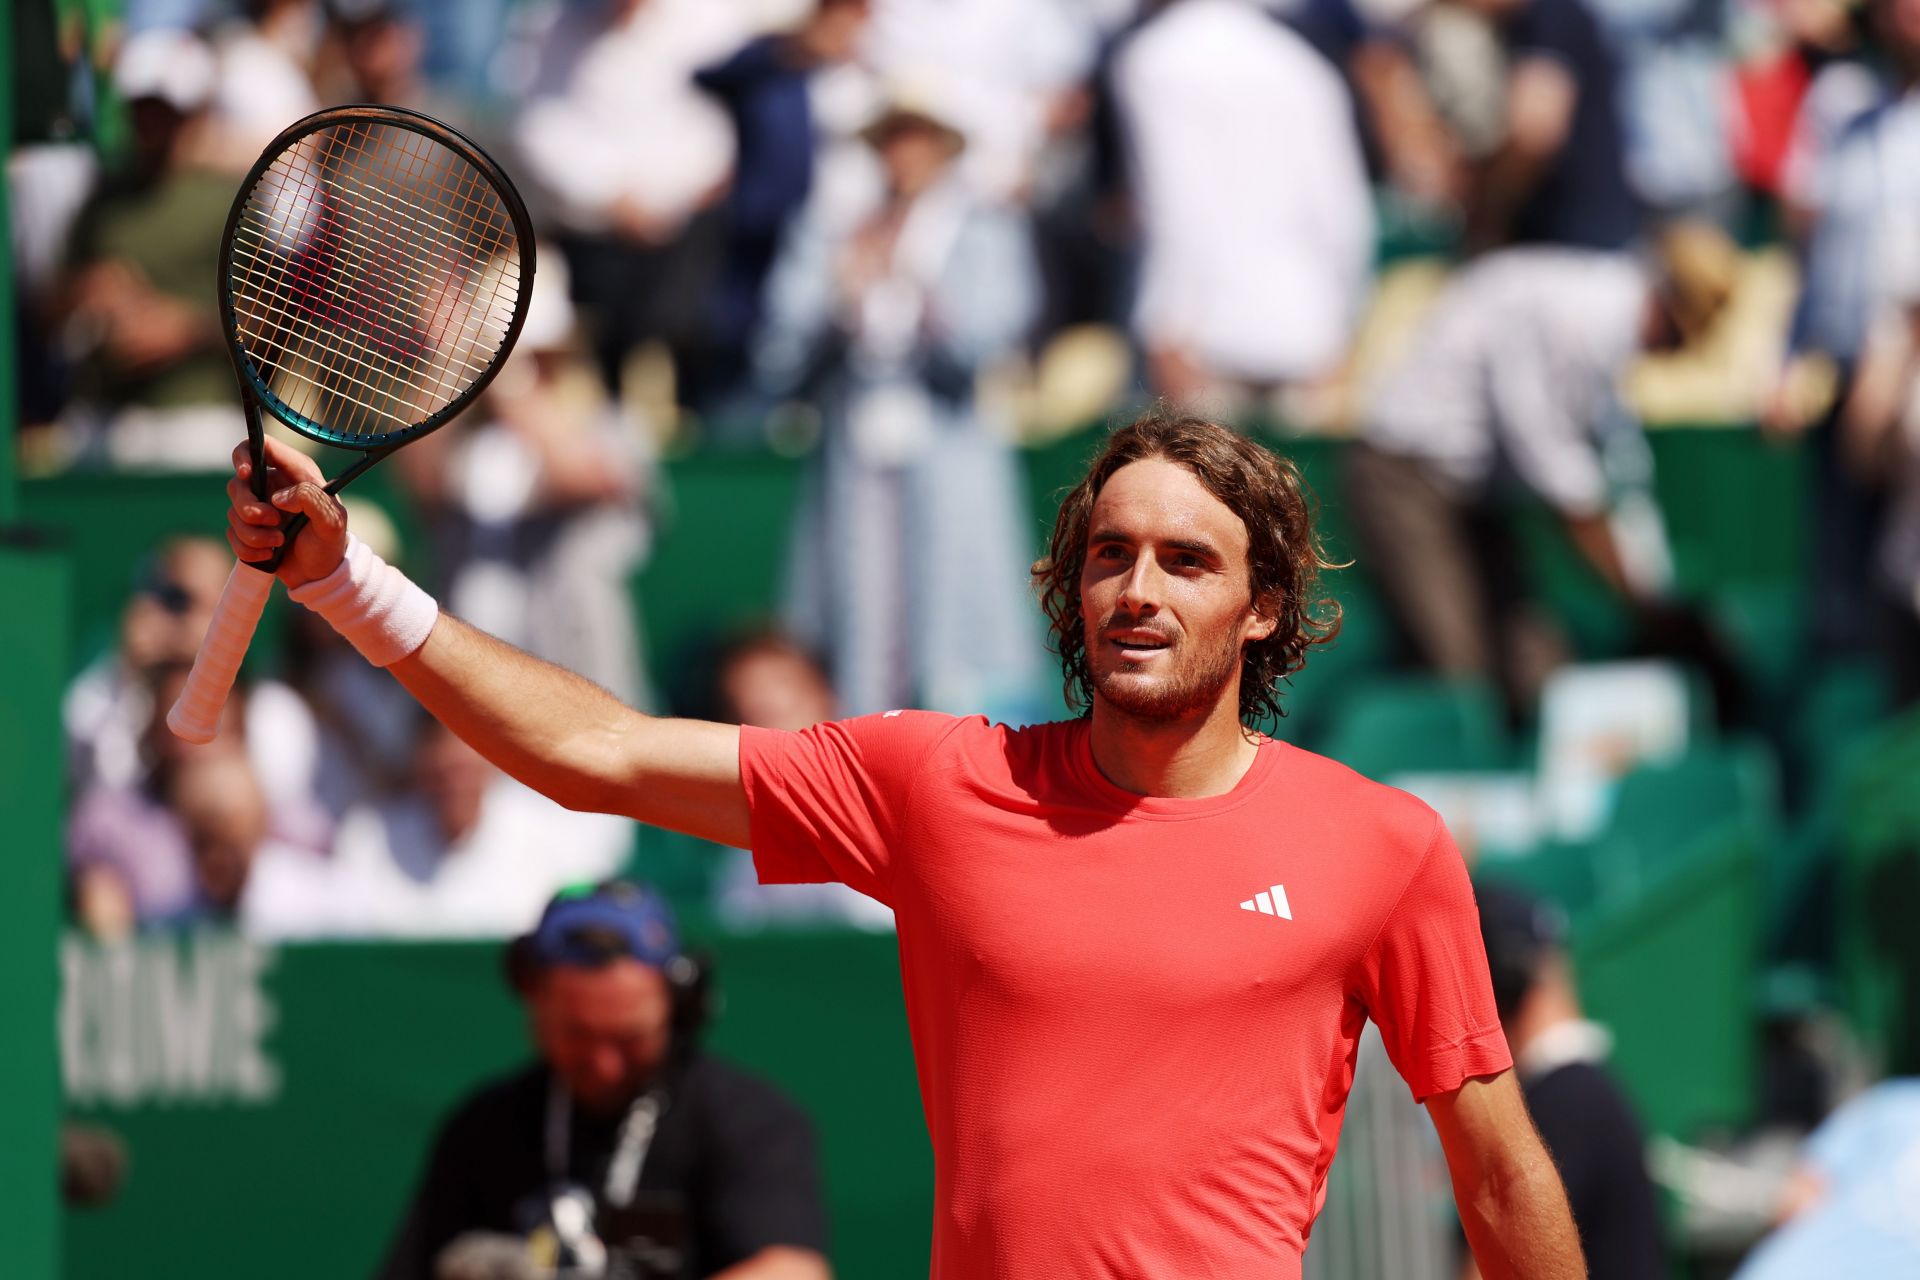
pixel 196 715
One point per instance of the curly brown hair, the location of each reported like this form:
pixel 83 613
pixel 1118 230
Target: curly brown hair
pixel 1284 554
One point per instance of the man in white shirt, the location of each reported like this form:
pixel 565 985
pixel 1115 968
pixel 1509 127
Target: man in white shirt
pixel 631 158
pixel 1253 203
pixel 1512 382
pixel 466 853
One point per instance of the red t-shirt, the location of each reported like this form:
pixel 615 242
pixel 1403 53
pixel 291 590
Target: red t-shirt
pixel 1134 1018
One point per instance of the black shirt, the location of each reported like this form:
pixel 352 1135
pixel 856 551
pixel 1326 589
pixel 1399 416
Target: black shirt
pixel 1597 1145
pixel 737 1156
pixel 1583 199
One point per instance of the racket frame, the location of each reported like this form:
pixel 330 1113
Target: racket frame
pixel 255 396
pixel 196 715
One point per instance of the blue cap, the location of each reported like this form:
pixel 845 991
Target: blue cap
pixel 588 928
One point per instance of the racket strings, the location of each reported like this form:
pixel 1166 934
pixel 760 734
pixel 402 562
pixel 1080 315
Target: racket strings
pixel 375 275
pixel 381 303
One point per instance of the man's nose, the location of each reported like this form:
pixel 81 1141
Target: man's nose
pixel 1140 589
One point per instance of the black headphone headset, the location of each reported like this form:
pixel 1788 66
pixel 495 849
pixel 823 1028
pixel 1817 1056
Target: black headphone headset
pixel 689 974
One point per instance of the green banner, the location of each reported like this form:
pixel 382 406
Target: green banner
pixel 277 1103
pixel 33 636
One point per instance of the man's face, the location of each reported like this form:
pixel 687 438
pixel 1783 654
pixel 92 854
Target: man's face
pixel 453 778
pixel 1166 595
pixel 603 1031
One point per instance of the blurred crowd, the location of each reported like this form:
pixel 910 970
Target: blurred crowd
pixel 901 235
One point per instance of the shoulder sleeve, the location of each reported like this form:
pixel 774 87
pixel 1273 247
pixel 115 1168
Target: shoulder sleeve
pixel 1424 980
pixel 766 1175
pixel 826 803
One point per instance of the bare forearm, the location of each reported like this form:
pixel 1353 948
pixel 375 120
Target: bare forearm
pixel 1504 184
pixel 543 724
pixel 1593 537
pixel 1517 1220
pixel 1504 1183
pixel 571 740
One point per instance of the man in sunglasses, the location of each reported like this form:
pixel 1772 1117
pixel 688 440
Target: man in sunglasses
pixel 625 1150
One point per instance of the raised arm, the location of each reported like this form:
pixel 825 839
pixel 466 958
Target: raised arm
pixel 1509 1195
pixel 553 730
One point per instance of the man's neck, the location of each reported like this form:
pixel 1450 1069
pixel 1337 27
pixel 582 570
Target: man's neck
pixel 1204 755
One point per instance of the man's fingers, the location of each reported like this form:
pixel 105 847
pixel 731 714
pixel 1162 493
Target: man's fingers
pixel 250 508
pixel 282 456
pixel 253 535
pixel 321 508
pixel 284 463
pixel 242 551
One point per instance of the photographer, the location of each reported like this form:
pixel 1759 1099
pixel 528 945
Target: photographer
pixel 625 1152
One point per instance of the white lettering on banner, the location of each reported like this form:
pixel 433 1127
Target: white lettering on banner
pixel 166 1020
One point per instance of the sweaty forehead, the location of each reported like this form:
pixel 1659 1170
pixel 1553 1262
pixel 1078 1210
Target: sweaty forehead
pixel 1155 500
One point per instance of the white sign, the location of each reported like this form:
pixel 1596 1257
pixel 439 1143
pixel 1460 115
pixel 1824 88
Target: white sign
pixel 166 1020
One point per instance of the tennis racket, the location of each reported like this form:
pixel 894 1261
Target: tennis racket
pixel 374 273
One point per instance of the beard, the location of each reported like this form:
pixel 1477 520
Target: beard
pixel 1192 686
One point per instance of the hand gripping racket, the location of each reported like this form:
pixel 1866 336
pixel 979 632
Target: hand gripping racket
pixel 374 273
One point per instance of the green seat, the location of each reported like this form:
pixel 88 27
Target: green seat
pixel 1673 973
pixel 1661 810
pixel 1558 871
pixel 1389 725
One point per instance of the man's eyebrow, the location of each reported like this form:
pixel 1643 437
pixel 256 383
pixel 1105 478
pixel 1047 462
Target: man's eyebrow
pixel 1198 546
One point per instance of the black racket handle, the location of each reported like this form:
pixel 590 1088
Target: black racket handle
pixel 288 532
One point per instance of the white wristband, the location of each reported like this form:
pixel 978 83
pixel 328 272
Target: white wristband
pixel 373 605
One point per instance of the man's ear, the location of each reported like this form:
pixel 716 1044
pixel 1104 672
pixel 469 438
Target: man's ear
pixel 1262 622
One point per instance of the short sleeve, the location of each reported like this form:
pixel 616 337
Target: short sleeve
pixel 826 803
pixel 1424 981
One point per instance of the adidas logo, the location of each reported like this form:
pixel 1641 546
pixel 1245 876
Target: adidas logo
pixel 1270 902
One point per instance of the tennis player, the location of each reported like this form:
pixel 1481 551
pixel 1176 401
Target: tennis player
pixel 1139 947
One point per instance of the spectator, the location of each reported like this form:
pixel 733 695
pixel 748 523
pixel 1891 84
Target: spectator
pixel 765 87
pixel 767 681
pixel 112 721
pixel 1854 185
pixel 267 55
pixel 537 507
pixel 241 875
pixel 107 708
pixel 130 853
pixel 379 44
pixel 1559 175
pixel 465 853
pixel 1876 434
pixel 1587 1122
pixel 634 159
pixel 1244 295
pixel 663 1148
pixel 910 549
pixel 152 380
pixel 1001 68
pixel 1514 376
pixel 1850 1211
